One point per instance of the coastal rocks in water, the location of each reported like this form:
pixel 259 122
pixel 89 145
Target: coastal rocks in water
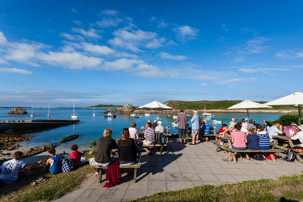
pixel 9 141
pixel 18 111
pixel 126 109
pixel 69 138
pixel 37 150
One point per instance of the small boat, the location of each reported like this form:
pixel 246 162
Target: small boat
pixel 49 114
pixel 216 122
pixel 74 115
pixel 110 115
pixel 147 114
pixel 175 117
pixel 133 115
pixel 94 114
pixel 32 114
pixel 207 116
pixel 174 124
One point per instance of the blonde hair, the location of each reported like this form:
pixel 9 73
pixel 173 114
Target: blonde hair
pixel 107 132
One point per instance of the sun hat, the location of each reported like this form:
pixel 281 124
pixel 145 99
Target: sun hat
pixel 301 127
pixel 293 124
pixel 195 112
pixel 159 122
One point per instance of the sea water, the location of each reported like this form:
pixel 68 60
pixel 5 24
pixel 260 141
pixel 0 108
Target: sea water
pixel 92 127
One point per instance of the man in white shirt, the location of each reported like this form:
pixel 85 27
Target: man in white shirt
pixel 298 136
pixel 276 129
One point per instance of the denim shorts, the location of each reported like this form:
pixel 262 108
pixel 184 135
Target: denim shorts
pixel 182 133
pixel 239 148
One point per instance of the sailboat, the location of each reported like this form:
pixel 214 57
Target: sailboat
pixel 32 114
pixel 74 115
pixel 94 114
pixel 49 114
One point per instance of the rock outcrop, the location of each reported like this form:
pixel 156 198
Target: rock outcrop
pixel 69 138
pixel 18 111
pixel 126 109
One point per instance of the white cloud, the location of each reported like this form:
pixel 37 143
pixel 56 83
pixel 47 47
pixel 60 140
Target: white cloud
pixel 160 23
pixel 135 39
pixel 14 70
pixel 109 12
pixel 225 28
pixel 77 22
pixel 239 59
pixel 171 57
pixel 102 50
pixel 71 60
pixel 204 84
pixel 289 54
pixel 111 22
pixel 121 64
pixel 261 70
pixel 91 33
pixel 186 32
pixel 256 46
pixel 3 39
pixel 72 37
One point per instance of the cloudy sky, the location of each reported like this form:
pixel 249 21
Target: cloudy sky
pixel 93 52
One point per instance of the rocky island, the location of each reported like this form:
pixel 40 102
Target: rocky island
pixel 18 111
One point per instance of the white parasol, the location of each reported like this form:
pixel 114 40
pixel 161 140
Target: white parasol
pixel 247 104
pixel 155 105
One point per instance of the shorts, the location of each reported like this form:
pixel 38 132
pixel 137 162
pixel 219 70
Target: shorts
pixel 147 143
pixel 182 133
pixel 97 164
pixel 239 148
pixel 194 133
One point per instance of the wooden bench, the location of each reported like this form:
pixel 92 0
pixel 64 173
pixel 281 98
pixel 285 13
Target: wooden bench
pixel 155 146
pixel 234 152
pixel 134 166
pixel 286 141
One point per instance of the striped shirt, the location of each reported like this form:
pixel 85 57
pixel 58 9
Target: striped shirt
pixel 149 134
pixel 264 140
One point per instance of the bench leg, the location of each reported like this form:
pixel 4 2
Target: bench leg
pixel 234 157
pixel 135 175
pixel 299 158
pixel 100 175
pixel 161 149
pixel 273 158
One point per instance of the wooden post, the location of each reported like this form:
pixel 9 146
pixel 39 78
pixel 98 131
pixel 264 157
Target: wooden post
pixel 135 175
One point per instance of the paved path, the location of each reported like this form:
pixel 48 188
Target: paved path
pixel 182 167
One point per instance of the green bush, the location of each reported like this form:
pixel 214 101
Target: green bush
pixel 287 119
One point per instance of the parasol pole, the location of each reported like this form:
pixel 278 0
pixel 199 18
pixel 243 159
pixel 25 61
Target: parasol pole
pixel 247 113
pixel 299 114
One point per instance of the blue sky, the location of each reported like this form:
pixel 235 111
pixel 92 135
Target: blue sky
pixel 92 52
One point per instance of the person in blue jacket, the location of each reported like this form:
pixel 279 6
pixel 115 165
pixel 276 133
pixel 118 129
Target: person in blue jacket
pixel 206 127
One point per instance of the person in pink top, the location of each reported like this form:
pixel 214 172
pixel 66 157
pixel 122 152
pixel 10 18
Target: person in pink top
pixel 76 156
pixel 239 140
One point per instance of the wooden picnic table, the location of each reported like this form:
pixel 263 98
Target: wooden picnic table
pixel 285 140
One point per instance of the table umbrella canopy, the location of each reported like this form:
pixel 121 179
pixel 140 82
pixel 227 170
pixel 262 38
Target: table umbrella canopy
pixel 155 105
pixel 292 99
pixel 247 104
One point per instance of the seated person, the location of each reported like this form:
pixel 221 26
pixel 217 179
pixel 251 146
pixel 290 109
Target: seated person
pixel 252 140
pixel 250 124
pixel 276 129
pixel 298 138
pixel 103 148
pixel 243 128
pixel 149 135
pixel 238 139
pixel 54 162
pixel 264 141
pixel 127 149
pixel 293 131
pixel 133 132
pixel 15 168
pixel 76 156
pixel 160 130
pixel 223 130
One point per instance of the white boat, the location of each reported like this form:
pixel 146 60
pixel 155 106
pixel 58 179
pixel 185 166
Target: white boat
pixel 49 114
pixel 133 115
pixel 110 115
pixel 94 114
pixel 216 122
pixel 174 124
pixel 175 117
pixel 32 114
pixel 74 115
pixel 207 116
pixel 147 114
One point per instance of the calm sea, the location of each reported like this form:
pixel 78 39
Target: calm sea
pixel 92 127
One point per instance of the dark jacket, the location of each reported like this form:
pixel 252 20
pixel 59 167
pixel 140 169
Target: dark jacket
pixel 127 151
pixel 104 145
pixel 253 142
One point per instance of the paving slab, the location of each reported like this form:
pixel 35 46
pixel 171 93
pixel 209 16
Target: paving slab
pixel 180 167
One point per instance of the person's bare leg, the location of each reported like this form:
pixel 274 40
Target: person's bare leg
pixel 247 156
pixel 197 139
pixel 193 139
pixel 147 151
pixel 92 167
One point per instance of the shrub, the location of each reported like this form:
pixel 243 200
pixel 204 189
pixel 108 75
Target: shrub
pixel 287 119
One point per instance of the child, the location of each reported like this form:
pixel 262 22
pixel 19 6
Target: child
pixel 54 162
pixel 252 140
pixel 76 156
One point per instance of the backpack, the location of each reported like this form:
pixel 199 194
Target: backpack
pixel 258 157
pixel 290 156
pixel 200 122
pixel 68 165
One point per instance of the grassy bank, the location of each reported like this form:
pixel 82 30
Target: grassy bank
pixel 283 189
pixel 53 187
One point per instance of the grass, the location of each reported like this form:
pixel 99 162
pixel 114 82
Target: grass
pixel 53 187
pixel 282 189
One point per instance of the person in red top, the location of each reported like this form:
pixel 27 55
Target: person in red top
pixel 224 130
pixel 76 156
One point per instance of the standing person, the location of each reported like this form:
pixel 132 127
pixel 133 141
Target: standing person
pixel 206 127
pixel 133 132
pixel 232 124
pixel 182 121
pixel 276 129
pixel 15 168
pixel 195 125
pixel 149 135
pixel 103 148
